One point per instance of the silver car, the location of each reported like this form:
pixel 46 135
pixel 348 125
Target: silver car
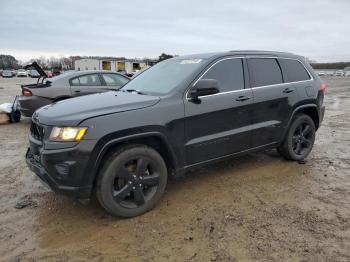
pixel 67 85
pixel 7 73
pixel 22 73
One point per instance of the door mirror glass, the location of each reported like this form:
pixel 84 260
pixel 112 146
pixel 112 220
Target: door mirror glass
pixel 204 87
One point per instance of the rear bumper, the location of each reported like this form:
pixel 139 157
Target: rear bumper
pixel 28 105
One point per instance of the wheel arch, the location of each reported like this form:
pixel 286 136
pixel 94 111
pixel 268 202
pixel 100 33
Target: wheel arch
pixel 156 140
pixel 308 109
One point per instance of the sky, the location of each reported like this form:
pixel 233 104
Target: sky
pixel 317 29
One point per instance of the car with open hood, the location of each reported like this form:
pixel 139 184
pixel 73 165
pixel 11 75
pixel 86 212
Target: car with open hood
pixel 185 112
pixel 71 84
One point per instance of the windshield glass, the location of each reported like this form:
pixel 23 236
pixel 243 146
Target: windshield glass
pixel 164 76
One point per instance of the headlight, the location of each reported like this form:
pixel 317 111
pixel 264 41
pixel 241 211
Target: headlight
pixel 68 133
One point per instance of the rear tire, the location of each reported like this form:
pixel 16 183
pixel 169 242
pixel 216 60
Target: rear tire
pixel 131 181
pixel 299 140
pixel 15 116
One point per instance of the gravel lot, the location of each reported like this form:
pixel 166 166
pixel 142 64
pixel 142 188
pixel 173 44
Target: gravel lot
pixel 256 207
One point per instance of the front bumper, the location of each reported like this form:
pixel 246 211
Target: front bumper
pixel 63 170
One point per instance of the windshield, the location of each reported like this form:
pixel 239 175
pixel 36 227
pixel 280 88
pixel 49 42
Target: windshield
pixel 164 76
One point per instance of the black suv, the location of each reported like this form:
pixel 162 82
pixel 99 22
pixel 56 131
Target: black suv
pixel 181 113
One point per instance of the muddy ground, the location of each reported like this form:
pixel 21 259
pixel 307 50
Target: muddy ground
pixel 256 207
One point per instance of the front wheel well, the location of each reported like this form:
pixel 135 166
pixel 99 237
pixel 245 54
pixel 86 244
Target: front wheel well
pixel 155 142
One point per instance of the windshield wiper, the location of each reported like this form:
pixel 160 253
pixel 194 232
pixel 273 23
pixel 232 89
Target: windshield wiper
pixel 135 91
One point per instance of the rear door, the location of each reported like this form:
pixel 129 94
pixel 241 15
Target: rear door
pixel 86 84
pixel 219 125
pixel 273 100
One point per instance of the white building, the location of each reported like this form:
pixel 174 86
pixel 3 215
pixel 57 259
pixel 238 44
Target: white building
pixel 130 66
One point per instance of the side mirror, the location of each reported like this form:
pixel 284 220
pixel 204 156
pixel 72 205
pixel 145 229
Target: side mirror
pixel 204 87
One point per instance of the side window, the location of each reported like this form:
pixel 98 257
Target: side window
pixel 86 80
pixel 295 71
pixel 229 74
pixel 264 71
pixel 114 79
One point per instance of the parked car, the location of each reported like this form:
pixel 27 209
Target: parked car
pixel 68 85
pixel 347 73
pixel 339 73
pixel 181 113
pixel 22 73
pixel 321 73
pixel 7 73
pixel 33 73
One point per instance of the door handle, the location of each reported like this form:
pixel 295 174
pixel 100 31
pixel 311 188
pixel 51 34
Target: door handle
pixel 77 91
pixel 242 98
pixel 288 90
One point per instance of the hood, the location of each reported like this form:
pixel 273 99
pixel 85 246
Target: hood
pixel 38 68
pixel 72 111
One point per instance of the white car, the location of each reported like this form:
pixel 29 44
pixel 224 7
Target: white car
pixel 321 73
pixel 22 73
pixel 339 73
pixel 347 73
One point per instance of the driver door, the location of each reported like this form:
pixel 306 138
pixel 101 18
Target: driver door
pixel 220 124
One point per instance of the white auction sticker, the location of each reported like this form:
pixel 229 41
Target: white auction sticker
pixel 190 61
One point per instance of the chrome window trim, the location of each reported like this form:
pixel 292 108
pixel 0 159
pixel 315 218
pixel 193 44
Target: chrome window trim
pixel 199 78
pixel 247 57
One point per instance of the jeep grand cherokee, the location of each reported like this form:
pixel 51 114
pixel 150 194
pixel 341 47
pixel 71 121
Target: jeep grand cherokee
pixel 181 113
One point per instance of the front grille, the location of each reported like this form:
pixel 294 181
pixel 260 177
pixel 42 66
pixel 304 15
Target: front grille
pixel 37 131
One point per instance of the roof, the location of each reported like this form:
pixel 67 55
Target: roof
pixel 237 52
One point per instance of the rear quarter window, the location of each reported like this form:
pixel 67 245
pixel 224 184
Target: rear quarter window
pixel 264 72
pixel 294 70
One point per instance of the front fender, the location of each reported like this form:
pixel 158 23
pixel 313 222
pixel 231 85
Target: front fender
pixel 109 141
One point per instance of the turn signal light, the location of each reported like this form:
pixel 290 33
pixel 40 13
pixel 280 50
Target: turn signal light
pixel 323 88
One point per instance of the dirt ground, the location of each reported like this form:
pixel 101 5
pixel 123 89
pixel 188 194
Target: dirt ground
pixel 258 207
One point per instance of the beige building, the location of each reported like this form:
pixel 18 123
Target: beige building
pixel 130 66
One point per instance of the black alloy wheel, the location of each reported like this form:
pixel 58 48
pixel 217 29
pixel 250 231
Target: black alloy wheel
pixel 135 182
pixel 300 138
pixel 131 181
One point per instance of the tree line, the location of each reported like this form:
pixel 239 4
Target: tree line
pixel 9 62
pixel 338 65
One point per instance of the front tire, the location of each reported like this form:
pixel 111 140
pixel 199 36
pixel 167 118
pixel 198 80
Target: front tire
pixel 299 140
pixel 131 181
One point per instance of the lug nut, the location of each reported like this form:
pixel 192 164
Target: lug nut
pixel 140 185
pixel 130 182
pixel 133 188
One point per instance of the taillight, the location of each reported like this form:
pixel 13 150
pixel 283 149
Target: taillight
pixel 323 88
pixel 26 92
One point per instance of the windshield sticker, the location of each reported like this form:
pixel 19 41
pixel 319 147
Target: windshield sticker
pixel 190 61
